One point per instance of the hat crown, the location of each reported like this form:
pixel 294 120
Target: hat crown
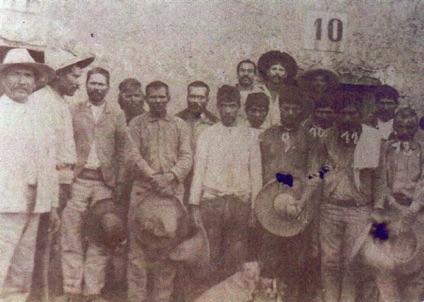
pixel 18 56
pixel 58 58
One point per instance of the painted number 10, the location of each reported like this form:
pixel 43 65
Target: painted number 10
pixel 334 29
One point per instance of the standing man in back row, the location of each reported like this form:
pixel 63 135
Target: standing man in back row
pixel 277 69
pixel 99 131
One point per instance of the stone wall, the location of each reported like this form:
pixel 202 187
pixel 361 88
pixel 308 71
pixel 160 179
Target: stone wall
pixel 182 41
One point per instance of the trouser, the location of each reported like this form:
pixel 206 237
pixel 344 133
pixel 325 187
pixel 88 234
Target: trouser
pixel 81 274
pixel 339 227
pixel 284 258
pixel 50 260
pixel 18 233
pixel 150 274
pixel 397 287
pixel 226 221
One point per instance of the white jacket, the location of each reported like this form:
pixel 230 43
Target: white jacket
pixel 27 156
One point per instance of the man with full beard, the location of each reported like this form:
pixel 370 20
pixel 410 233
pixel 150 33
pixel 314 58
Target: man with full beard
pixel 99 131
pixel 277 69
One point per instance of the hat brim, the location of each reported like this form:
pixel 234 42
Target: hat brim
pixel 44 73
pixel 82 63
pixel 269 218
pixel 286 60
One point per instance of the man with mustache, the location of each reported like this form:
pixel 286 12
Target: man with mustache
pixel 402 174
pixel 277 69
pixel 227 178
pixel 51 100
pixel 387 101
pixel 246 73
pixel 28 178
pixel 99 131
pixel 159 150
pixel 351 151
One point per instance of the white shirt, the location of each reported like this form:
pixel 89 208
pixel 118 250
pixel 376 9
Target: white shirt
pixel 57 109
pixel 93 160
pixel 386 128
pixel 227 161
pixel 27 157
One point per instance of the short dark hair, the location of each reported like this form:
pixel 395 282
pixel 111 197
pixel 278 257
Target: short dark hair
pixel 129 83
pixel 99 70
pixel 199 84
pixel 257 99
pixel 407 113
pixel 228 94
pixel 290 95
pixel 325 101
pixel 246 61
pixel 386 92
pixel 343 99
pixel 157 85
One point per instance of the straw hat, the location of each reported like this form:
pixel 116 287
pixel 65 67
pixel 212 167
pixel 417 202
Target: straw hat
pixel 402 253
pixel 59 58
pixel 20 57
pixel 103 224
pixel 277 208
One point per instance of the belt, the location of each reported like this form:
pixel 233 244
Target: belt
pixel 91 174
pixel 345 203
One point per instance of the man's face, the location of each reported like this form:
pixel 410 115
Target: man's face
pixel 97 88
pixel 386 109
pixel 276 74
pixel 132 99
pixel 319 84
pixel 348 118
pixel 256 115
pixel 290 115
pixel 228 112
pixel 70 82
pixel 324 117
pixel 246 74
pixel 197 99
pixel 158 100
pixel 405 129
pixel 18 83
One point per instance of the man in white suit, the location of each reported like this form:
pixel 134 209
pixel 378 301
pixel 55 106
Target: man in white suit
pixel 28 176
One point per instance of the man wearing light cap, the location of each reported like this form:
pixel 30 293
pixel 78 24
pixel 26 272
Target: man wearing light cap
pixel 51 101
pixel 28 178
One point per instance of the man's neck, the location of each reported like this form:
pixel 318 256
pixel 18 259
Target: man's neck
pixel 55 87
pixel 159 116
pixel 21 101
pixel 98 104
pixel 244 88
pixel 273 87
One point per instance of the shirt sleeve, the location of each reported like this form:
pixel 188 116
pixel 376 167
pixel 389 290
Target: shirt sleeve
pixel 200 161
pixel 120 140
pixel 185 156
pixel 133 141
pixel 255 170
pixel 380 186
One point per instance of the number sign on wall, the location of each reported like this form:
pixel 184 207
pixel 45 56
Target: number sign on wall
pixel 325 31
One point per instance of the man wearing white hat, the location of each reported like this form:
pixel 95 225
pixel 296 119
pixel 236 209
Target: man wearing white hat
pixel 28 178
pixel 50 100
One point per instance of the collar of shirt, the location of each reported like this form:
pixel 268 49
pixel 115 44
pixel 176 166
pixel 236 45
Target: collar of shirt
pixel 152 118
pixel 5 100
pixel 58 96
pixel 385 128
pixel 90 105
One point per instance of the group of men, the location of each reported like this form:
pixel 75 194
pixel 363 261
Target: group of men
pixel 287 181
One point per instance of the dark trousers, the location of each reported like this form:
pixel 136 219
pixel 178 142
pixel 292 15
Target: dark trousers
pixel 284 258
pixel 226 220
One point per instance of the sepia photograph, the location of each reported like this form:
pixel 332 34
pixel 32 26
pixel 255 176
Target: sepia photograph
pixel 211 151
